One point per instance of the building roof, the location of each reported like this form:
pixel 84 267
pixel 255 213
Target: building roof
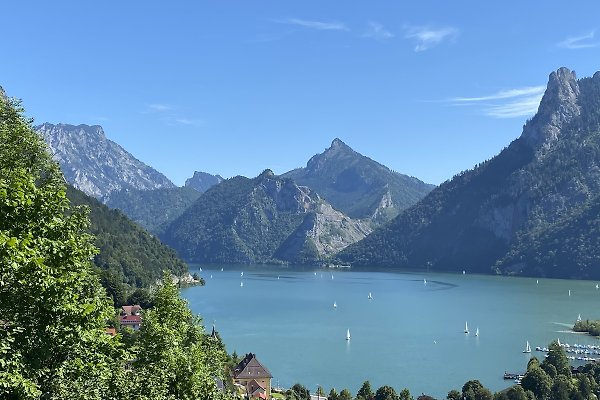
pixel 111 331
pixel 250 368
pixel 131 310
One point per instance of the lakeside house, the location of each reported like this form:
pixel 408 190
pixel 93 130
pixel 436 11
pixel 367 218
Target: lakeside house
pixel 131 316
pixel 254 377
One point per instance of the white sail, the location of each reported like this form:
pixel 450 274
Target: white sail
pixel 477 331
pixel 334 304
pixel 466 327
pixel 370 297
pixel 527 348
pixel 348 334
pixel 579 317
pixel 241 284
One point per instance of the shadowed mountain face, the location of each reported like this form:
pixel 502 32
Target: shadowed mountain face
pixel 536 190
pixel 357 185
pixel 265 219
pixel 95 165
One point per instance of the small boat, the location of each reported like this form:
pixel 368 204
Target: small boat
pixel 370 296
pixel 464 272
pixel 331 276
pixel 424 281
pixel 348 334
pixel 477 331
pixel 596 286
pixel 579 318
pixel 334 304
pixel 200 269
pixel 211 276
pixel 466 328
pixel 242 273
pixel 537 281
pixel 569 292
pixel 241 284
pixel 527 348
pixel 315 274
pixel 221 269
pixel 277 277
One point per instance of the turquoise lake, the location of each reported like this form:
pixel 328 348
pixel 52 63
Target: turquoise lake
pixel 411 334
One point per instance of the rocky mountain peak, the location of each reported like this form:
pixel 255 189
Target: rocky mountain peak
pixel 3 95
pixel 557 108
pixel 202 181
pixel 96 165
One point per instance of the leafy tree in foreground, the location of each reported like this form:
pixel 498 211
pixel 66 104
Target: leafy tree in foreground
pixel 52 307
pixel 454 395
pixel 538 382
pixel 345 395
pixel 558 358
pixel 175 358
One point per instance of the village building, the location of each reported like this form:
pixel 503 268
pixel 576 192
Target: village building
pixel 131 316
pixel 254 377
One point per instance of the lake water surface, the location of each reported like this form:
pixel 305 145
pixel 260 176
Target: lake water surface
pixel 411 334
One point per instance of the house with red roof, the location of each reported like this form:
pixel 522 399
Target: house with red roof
pixel 131 316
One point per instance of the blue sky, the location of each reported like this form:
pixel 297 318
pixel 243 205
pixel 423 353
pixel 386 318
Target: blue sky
pixel 428 88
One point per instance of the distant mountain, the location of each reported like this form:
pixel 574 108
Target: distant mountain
pixel 202 181
pixel 357 185
pixel 530 210
pixel 153 208
pixel 265 219
pixel 97 165
pixel 126 250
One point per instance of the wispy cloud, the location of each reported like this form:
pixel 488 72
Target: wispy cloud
pixel 160 107
pixel 187 121
pixel 510 103
pixel 171 115
pixel 427 37
pixel 579 42
pixel 317 25
pixel 377 31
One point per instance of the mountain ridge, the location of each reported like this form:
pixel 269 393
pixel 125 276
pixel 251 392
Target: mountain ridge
pixel 471 221
pixel 95 164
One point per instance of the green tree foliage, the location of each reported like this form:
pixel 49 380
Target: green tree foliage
pixel 52 307
pixel 298 392
pixel 175 359
pixel 538 382
pixel 365 392
pixel 591 327
pixel 558 358
pixel 126 250
pixel 244 220
pixel 153 209
pixel 474 390
pixel 405 395
pixel 345 395
pixel 333 394
pixel 454 395
pixel 561 388
pixel 142 297
pixel 386 393
pixel 516 393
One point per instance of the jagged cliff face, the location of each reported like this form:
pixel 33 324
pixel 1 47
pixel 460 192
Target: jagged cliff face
pixel 265 219
pixel 95 165
pixel 202 181
pixel 359 186
pixel 480 219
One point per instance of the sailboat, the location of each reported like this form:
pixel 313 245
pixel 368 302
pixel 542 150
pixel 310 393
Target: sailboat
pixel 348 334
pixel 221 269
pixel 579 318
pixel 241 284
pixel 466 327
pixel 424 281
pixel 200 269
pixel 596 286
pixel 370 296
pixel 569 292
pixel 242 273
pixel 527 348
pixel 477 331
pixel 334 304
